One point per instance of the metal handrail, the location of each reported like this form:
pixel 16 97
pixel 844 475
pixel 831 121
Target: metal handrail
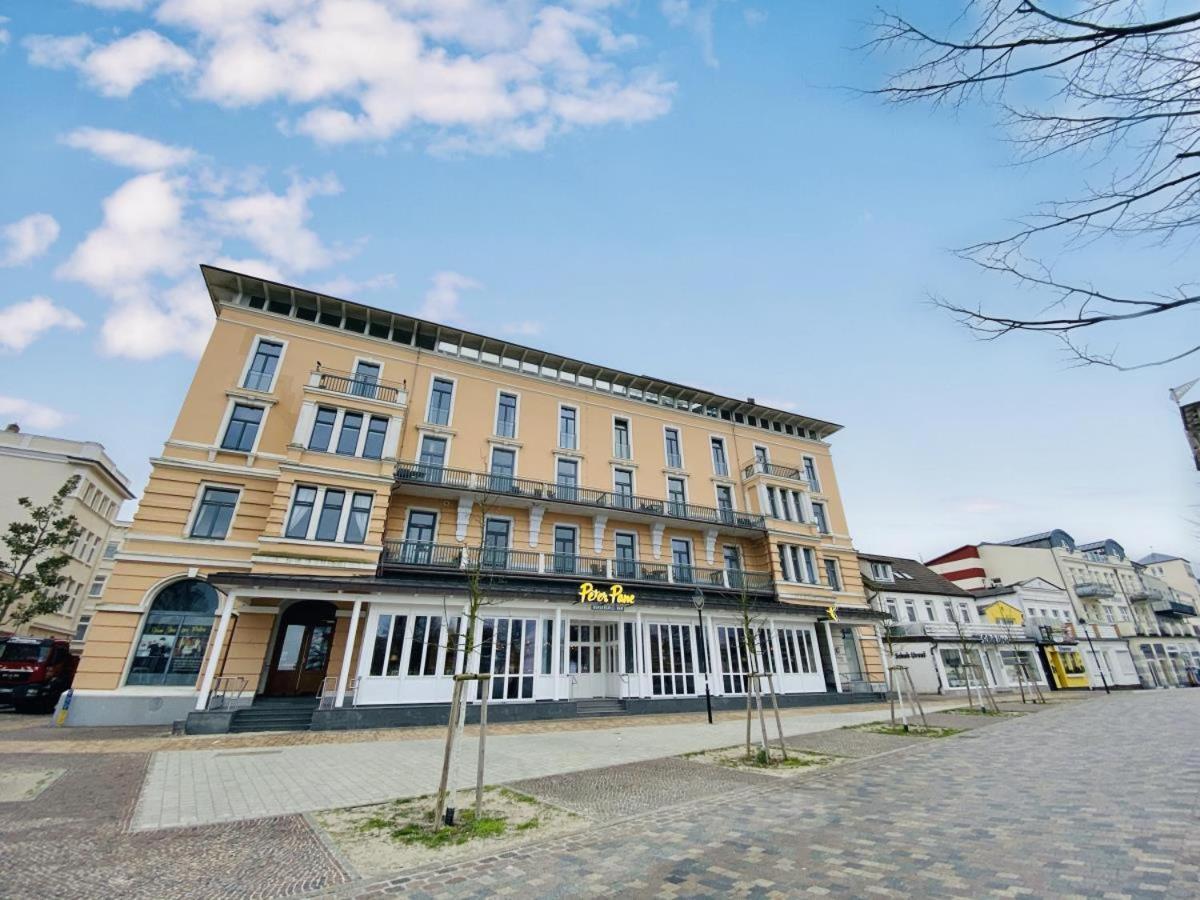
pixel 226 692
pixel 425 554
pixel 483 482
pixel 758 467
pixel 359 386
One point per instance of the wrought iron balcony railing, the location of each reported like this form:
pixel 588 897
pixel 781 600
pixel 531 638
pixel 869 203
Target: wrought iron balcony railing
pixel 502 560
pixel 758 467
pixel 1171 606
pixel 528 489
pixel 1089 589
pixel 359 386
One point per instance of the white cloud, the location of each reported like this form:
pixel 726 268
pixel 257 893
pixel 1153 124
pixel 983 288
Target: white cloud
pixel 275 223
pixel 26 239
pixel 23 323
pixel 177 321
pixel 478 75
pixel 527 328
pixel 114 69
pixel 28 414
pixel 5 37
pixel 133 151
pixel 441 302
pixel 257 267
pixel 754 16
pixel 697 17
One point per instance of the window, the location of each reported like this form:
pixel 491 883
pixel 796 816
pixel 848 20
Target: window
pixel 331 515
pixel 504 467
pixel 506 415
pixel 810 473
pixel 215 513
pixel 623 488
pixel 674 455
pixel 832 575
pixel 567 476
pixel 389 645
pixel 419 537
pixel 440 396
pixel 97 587
pixel 881 571
pixel 242 428
pixel 760 457
pixel 110 549
pixel 821 519
pixel 910 610
pixel 496 536
pixel 732 557
pixel 930 613
pixel 347 444
pixel 302 509
pixel 82 627
pixel 322 432
pixel 621 445
pixel 568 433
pixel 263 364
pixel 720 463
pixel 376 438
pixel 725 503
pixel 366 380
pixel 772 503
pixel 810 565
pixel 507 649
pixel 681 560
pixel 175 635
pixel 798 502
pixel 564 549
pixel 433 457
pixel 676 497
pixel 359 519
pixel 626 563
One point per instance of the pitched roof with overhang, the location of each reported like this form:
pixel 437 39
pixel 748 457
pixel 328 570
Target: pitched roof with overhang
pixel 1155 558
pixel 315 308
pixel 913 577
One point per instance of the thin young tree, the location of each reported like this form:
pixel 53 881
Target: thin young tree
pixel 35 553
pixel 752 624
pixel 1114 83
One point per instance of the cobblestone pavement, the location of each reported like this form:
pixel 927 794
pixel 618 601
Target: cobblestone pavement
pixel 1081 800
pixel 71 841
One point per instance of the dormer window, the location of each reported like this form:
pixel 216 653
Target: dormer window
pixel 882 572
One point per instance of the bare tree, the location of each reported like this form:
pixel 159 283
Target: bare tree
pixel 1111 82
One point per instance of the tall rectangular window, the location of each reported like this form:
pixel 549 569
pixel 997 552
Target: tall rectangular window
pixel 621 445
pixel 376 437
pixel 440 397
pixel 810 473
pixel 496 537
pixel 798 502
pixel 674 454
pixel 433 457
pixel 331 515
pixel 626 563
pixel 732 557
pixel 419 536
pixel 111 548
pixel 568 428
pixel 834 577
pixel 322 432
pixel 300 517
pixel 242 428
pixel 810 565
pixel 564 549
pixel 821 518
pixel 347 444
pixel 504 467
pixel 681 560
pixel 720 463
pixel 567 479
pixel 506 415
pixel 623 488
pixel 359 519
pixel 215 513
pixel 676 497
pixel 760 458
pixel 366 380
pixel 725 502
pixel 262 366
pixel 772 503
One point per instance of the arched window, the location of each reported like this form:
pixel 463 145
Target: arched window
pixel 175 634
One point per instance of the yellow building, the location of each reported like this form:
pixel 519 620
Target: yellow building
pixel 338 473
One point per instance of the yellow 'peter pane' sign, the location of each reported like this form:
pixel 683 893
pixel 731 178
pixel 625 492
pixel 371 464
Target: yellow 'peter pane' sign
pixel 589 593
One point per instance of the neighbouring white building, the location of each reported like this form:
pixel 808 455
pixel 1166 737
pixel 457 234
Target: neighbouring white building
pixel 935 632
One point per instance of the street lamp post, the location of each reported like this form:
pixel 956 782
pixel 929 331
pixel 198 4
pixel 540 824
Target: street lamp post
pixel 698 602
pixel 1095 658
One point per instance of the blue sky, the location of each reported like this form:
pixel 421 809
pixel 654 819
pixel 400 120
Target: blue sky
pixel 680 188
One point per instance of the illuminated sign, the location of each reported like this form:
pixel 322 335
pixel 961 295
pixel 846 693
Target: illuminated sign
pixel 589 593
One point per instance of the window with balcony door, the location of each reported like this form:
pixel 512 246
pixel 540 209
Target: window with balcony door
pixel 366 379
pixel 761 460
pixel 626 562
pixel 568 428
pixel 810 473
pixel 441 395
pixel 621 446
pixel 497 535
pixel 725 503
pixel 419 537
pixel 242 429
pixel 623 488
pixel 720 462
pixel 732 557
pixel 681 560
pixel 676 497
pixel 433 457
pixel 503 468
pixel 260 375
pixel 565 538
pixel 673 452
pixel 506 415
pixel 567 479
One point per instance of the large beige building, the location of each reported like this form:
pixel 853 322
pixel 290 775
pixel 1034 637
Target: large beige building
pixel 36 466
pixel 337 473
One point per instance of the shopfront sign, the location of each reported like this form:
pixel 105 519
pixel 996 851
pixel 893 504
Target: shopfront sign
pixel 615 595
pixel 911 655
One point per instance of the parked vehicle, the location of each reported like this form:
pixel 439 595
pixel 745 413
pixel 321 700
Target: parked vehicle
pixel 34 672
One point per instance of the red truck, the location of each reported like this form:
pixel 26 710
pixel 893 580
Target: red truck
pixel 34 672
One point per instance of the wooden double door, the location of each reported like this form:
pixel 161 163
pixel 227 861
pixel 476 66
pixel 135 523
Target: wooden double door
pixel 302 645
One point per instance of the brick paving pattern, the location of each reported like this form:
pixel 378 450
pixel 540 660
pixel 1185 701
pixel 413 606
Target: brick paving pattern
pixel 1093 799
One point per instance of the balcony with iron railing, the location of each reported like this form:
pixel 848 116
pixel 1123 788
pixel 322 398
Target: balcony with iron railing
pixel 758 467
pixel 1146 593
pixel 1171 606
pixel 352 385
pixel 504 561
pixel 528 490
pixel 1093 589
pixel 972 631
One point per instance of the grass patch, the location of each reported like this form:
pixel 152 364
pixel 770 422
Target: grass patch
pixel 465 828
pixel 931 731
pixel 528 826
pixel 762 760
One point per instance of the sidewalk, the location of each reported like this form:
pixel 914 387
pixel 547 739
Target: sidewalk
pixel 193 787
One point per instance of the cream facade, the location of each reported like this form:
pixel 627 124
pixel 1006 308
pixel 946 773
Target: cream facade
pixel 36 466
pixel 337 474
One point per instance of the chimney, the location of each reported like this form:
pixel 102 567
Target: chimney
pixel 12 428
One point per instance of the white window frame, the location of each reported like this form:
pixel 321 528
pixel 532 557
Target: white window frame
pixel 687 490
pixel 438 376
pixel 679 439
pixel 515 451
pixel 713 439
pixel 423 432
pixel 318 505
pixel 628 420
pixel 262 424
pixel 199 496
pixel 717 485
pixel 814 485
pixel 99 581
pixel 437 521
pixel 258 339
pixel 558 432
pixel 496 418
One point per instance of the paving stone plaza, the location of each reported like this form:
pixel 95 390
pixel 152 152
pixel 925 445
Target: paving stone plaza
pixel 1026 805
